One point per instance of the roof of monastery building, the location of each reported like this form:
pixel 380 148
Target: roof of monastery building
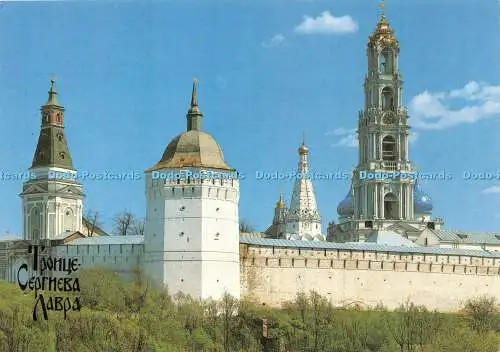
pixel 389 238
pixel 364 246
pixel 468 237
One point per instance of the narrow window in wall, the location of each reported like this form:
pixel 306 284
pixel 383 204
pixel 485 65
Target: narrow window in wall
pixel 293 262
pixel 267 261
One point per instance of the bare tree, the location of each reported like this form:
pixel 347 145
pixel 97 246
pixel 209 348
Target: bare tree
pixel 245 226
pixel 92 221
pixel 123 223
pixel 138 227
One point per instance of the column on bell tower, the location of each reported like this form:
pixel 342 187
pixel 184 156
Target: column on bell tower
pixel 52 197
pixel 383 135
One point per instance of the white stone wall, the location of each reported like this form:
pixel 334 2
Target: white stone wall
pixel 192 235
pixel 117 257
pixel 436 281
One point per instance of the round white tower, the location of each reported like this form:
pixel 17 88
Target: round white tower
pixel 192 223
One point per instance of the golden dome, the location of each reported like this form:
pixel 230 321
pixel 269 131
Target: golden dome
pixel 280 204
pixel 383 34
pixel 303 149
pixel 192 149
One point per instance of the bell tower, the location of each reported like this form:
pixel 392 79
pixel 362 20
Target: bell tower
pixel 379 187
pixel 383 193
pixel 52 198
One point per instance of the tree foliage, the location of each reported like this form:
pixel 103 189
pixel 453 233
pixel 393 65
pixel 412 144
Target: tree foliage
pixel 132 314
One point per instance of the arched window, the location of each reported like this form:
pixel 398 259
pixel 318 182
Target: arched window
pixel 387 99
pixel 391 207
pixel 385 61
pixel 389 150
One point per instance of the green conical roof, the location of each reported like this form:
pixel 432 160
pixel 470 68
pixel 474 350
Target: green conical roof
pixel 52 149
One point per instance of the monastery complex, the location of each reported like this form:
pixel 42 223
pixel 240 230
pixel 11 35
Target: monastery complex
pixel 386 246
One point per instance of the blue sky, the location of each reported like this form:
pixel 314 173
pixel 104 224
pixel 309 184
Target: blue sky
pixel 267 75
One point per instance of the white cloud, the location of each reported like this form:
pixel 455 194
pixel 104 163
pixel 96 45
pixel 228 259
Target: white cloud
pixel 348 137
pixel 432 111
pixel 327 24
pixel 275 41
pixel 492 190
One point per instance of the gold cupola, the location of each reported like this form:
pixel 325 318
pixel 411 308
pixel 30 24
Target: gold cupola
pixel 383 34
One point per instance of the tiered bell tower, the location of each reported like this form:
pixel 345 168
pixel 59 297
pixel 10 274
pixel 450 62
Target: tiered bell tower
pixel 383 136
pixel 383 183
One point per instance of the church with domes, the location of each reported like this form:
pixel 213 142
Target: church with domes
pixel 192 242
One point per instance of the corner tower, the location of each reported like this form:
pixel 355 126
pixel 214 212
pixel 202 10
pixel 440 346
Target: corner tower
pixel 52 198
pixel 192 223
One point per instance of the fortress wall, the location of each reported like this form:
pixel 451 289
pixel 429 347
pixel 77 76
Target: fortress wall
pixel 442 282
pixel 116 257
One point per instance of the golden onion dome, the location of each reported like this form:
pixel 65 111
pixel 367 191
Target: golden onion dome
pixel 280 203
pixel 383 34
pixel 303 149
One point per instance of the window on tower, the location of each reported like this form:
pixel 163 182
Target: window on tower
pixel 382 64
pixel 387 99
pixel 389 150
pixel 391 207
pixel 385 61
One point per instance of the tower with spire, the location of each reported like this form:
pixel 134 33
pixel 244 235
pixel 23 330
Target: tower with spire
pixel 191 241
pixel 301 220
pixel 278 227
pixel 52 198
pixel 382 193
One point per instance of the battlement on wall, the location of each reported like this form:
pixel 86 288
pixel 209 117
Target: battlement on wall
pixel 352 259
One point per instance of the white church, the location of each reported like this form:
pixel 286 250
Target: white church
pixel 192 239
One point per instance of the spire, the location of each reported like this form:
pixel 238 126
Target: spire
pixel 52 94
pixel 303 162
pixel 280 203
pixel 52 149
pixel 304 218
pixel 194 114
